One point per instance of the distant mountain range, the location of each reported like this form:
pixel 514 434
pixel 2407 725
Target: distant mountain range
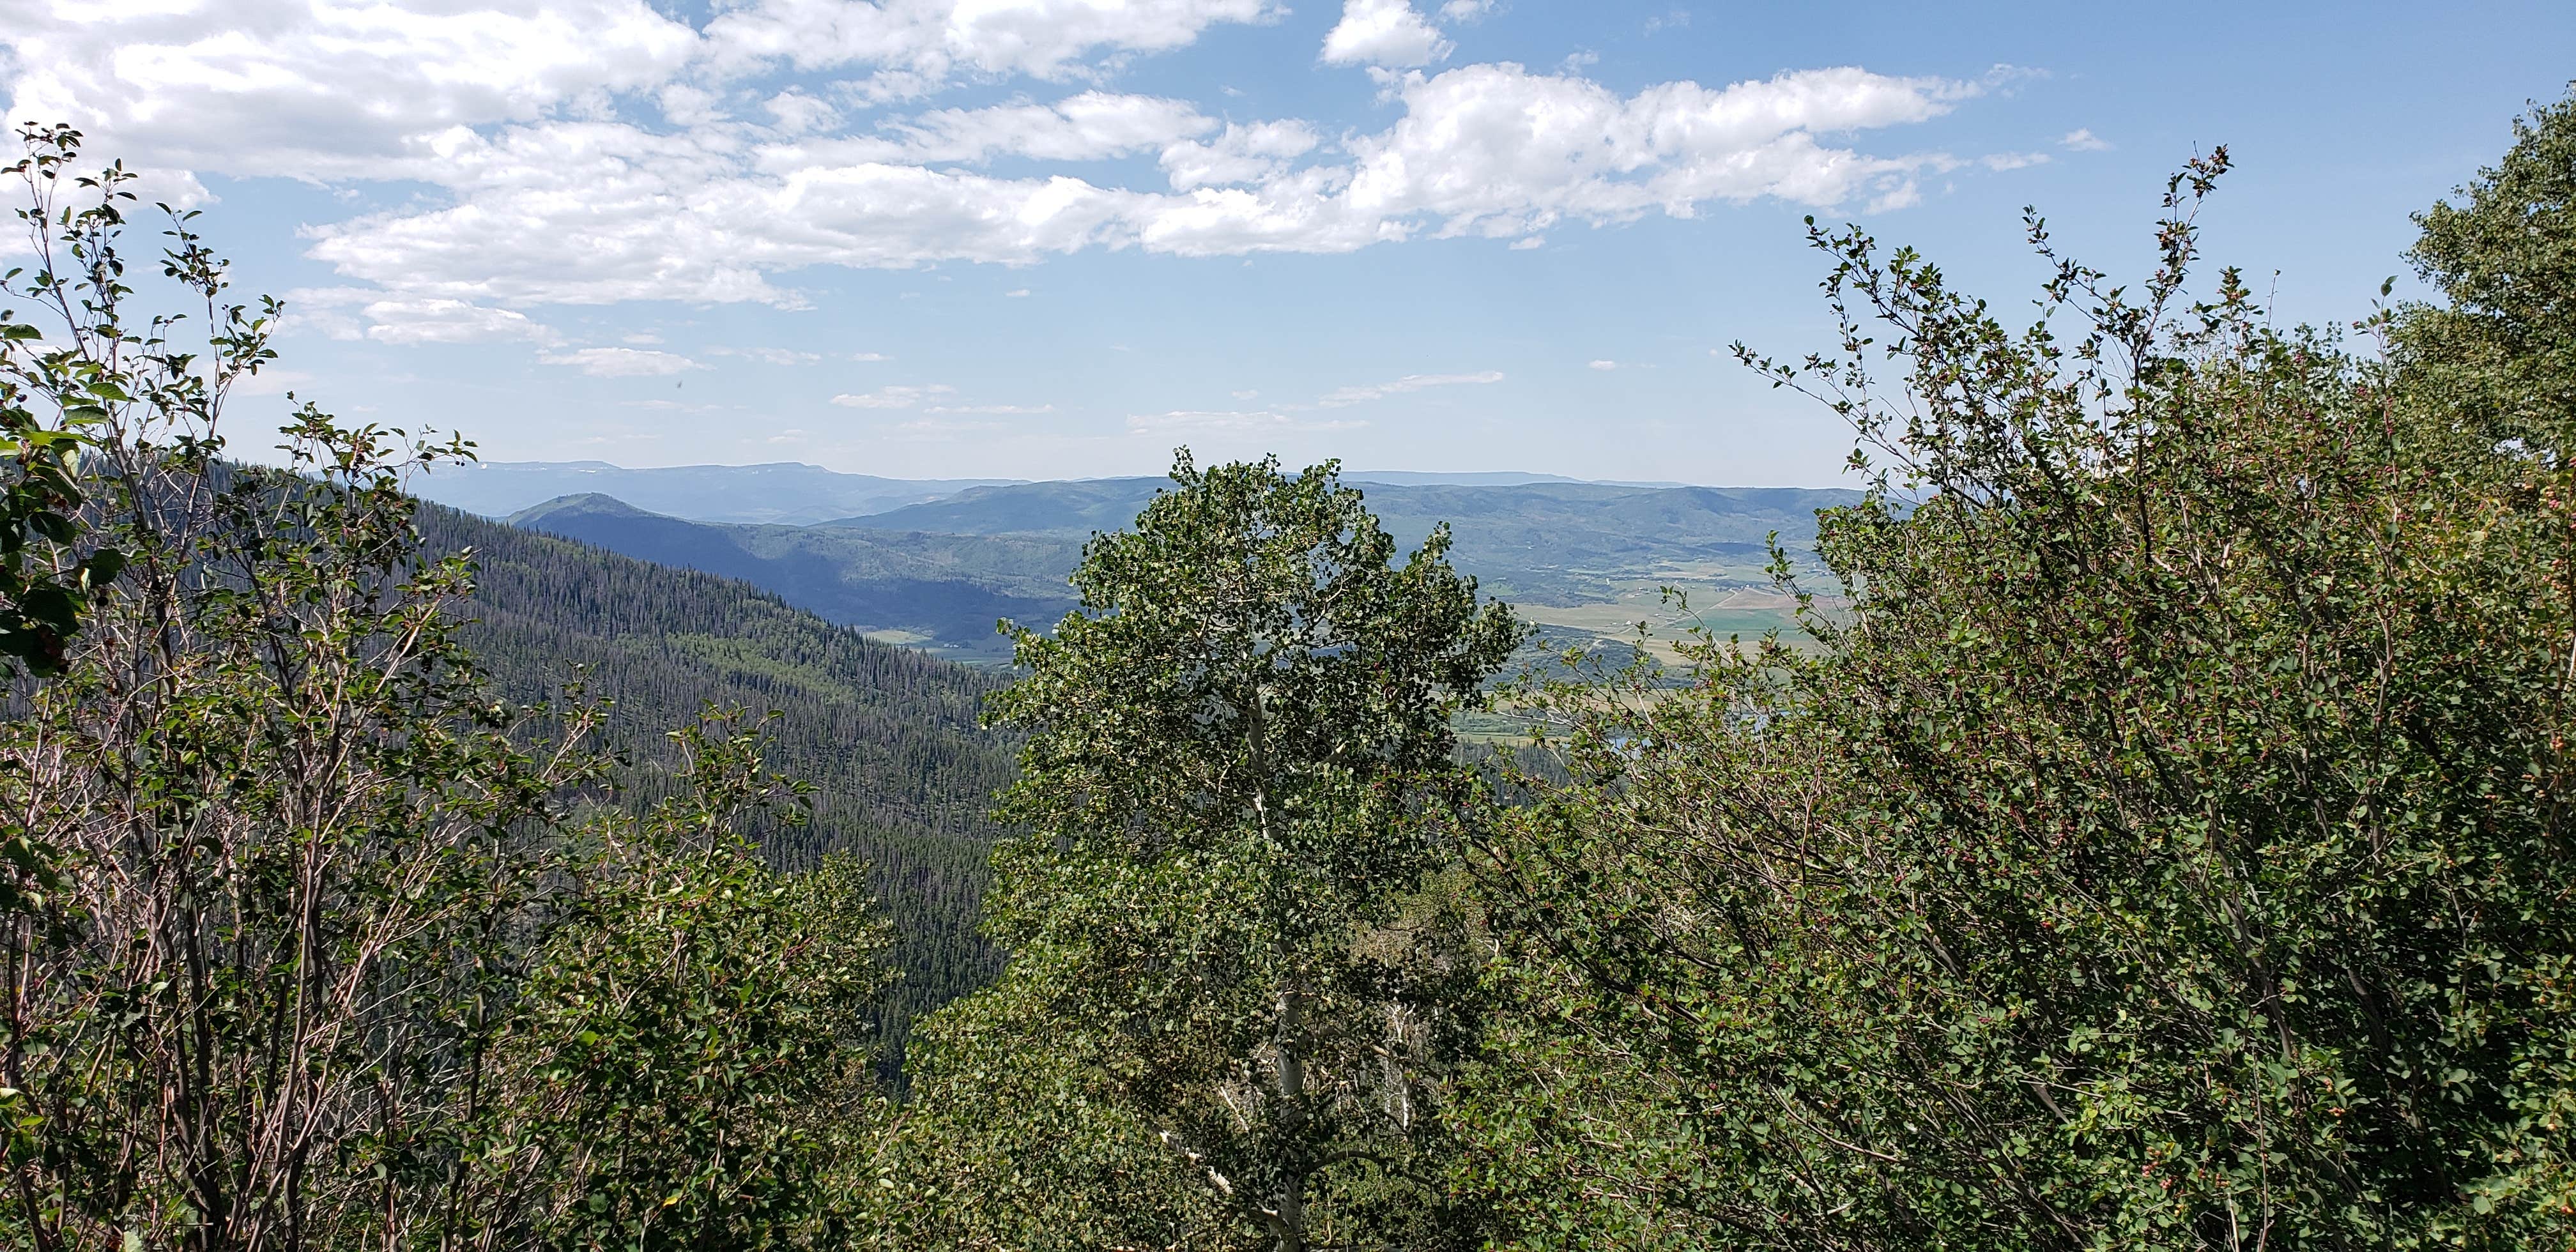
pixel 781 493
pixel 939 572
pixel 1596 519
pixel 944 591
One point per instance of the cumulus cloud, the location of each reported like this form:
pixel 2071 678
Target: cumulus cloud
pixel 1383 32
pixel 914 46
pixel 2082 140
pixel 449 321
pixel 593 212
pixel 797 113
pixel 1345 396
pixel 1091 126
pixel 1498 150
pixel 1605 366
pixel 323 88
pixel 596 151
pixel 891 397
pixel 621 362
pixel 1243 154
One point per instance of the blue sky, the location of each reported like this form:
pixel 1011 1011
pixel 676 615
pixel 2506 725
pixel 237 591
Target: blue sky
pixel 1055 238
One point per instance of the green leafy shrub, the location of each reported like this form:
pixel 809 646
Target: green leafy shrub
pixel 2164 844
pixel 309 942
pixel 1231 999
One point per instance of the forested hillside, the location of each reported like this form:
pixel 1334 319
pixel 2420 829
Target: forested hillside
pixel 886 736
pixel 943 589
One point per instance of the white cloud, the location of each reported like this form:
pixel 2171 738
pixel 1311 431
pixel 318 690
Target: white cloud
pixel 1383 32
pixel 2001 161
pixel 596 212
pixel 1465 10
pixel 409 321
pixel 322 88
pixel 770 356
pixel 1345 396
pixel 1204 422
pixel 1020 294
pixel 1527 242
pixel 595 151
pixel 2081 140
pixel 1605 366
pixel 1243 154
pixel 686 105
pixel 891 397
pixel 1497 150
pixel 1091 126
pixel 798 113
pixel 916 45
pixel 621 362
pixel 1903 195
pixel 1244 395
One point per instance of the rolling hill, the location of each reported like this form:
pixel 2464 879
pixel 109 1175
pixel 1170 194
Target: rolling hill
pixel 1558 543
pixel 783 493
pixel 942 591
pixel 1589 559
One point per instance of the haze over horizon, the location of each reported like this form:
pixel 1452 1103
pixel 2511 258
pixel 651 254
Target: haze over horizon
pixel 1043 239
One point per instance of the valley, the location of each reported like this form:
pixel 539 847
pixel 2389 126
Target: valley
pixel 942 561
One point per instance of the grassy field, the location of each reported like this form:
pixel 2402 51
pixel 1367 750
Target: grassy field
pixel 1718 599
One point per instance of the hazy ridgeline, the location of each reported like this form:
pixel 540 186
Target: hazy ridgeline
pixel 2155 834
pixel 939 574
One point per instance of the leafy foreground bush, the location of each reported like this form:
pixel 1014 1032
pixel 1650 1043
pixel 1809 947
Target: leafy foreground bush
pixel 2165 842
pixel 305 943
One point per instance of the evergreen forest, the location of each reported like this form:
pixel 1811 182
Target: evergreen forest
pixel 2154 833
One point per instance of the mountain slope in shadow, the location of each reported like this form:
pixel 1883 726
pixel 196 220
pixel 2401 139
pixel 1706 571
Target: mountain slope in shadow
pixel 943 591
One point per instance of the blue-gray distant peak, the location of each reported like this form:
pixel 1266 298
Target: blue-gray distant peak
pixel 789 493
pixel 780 492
